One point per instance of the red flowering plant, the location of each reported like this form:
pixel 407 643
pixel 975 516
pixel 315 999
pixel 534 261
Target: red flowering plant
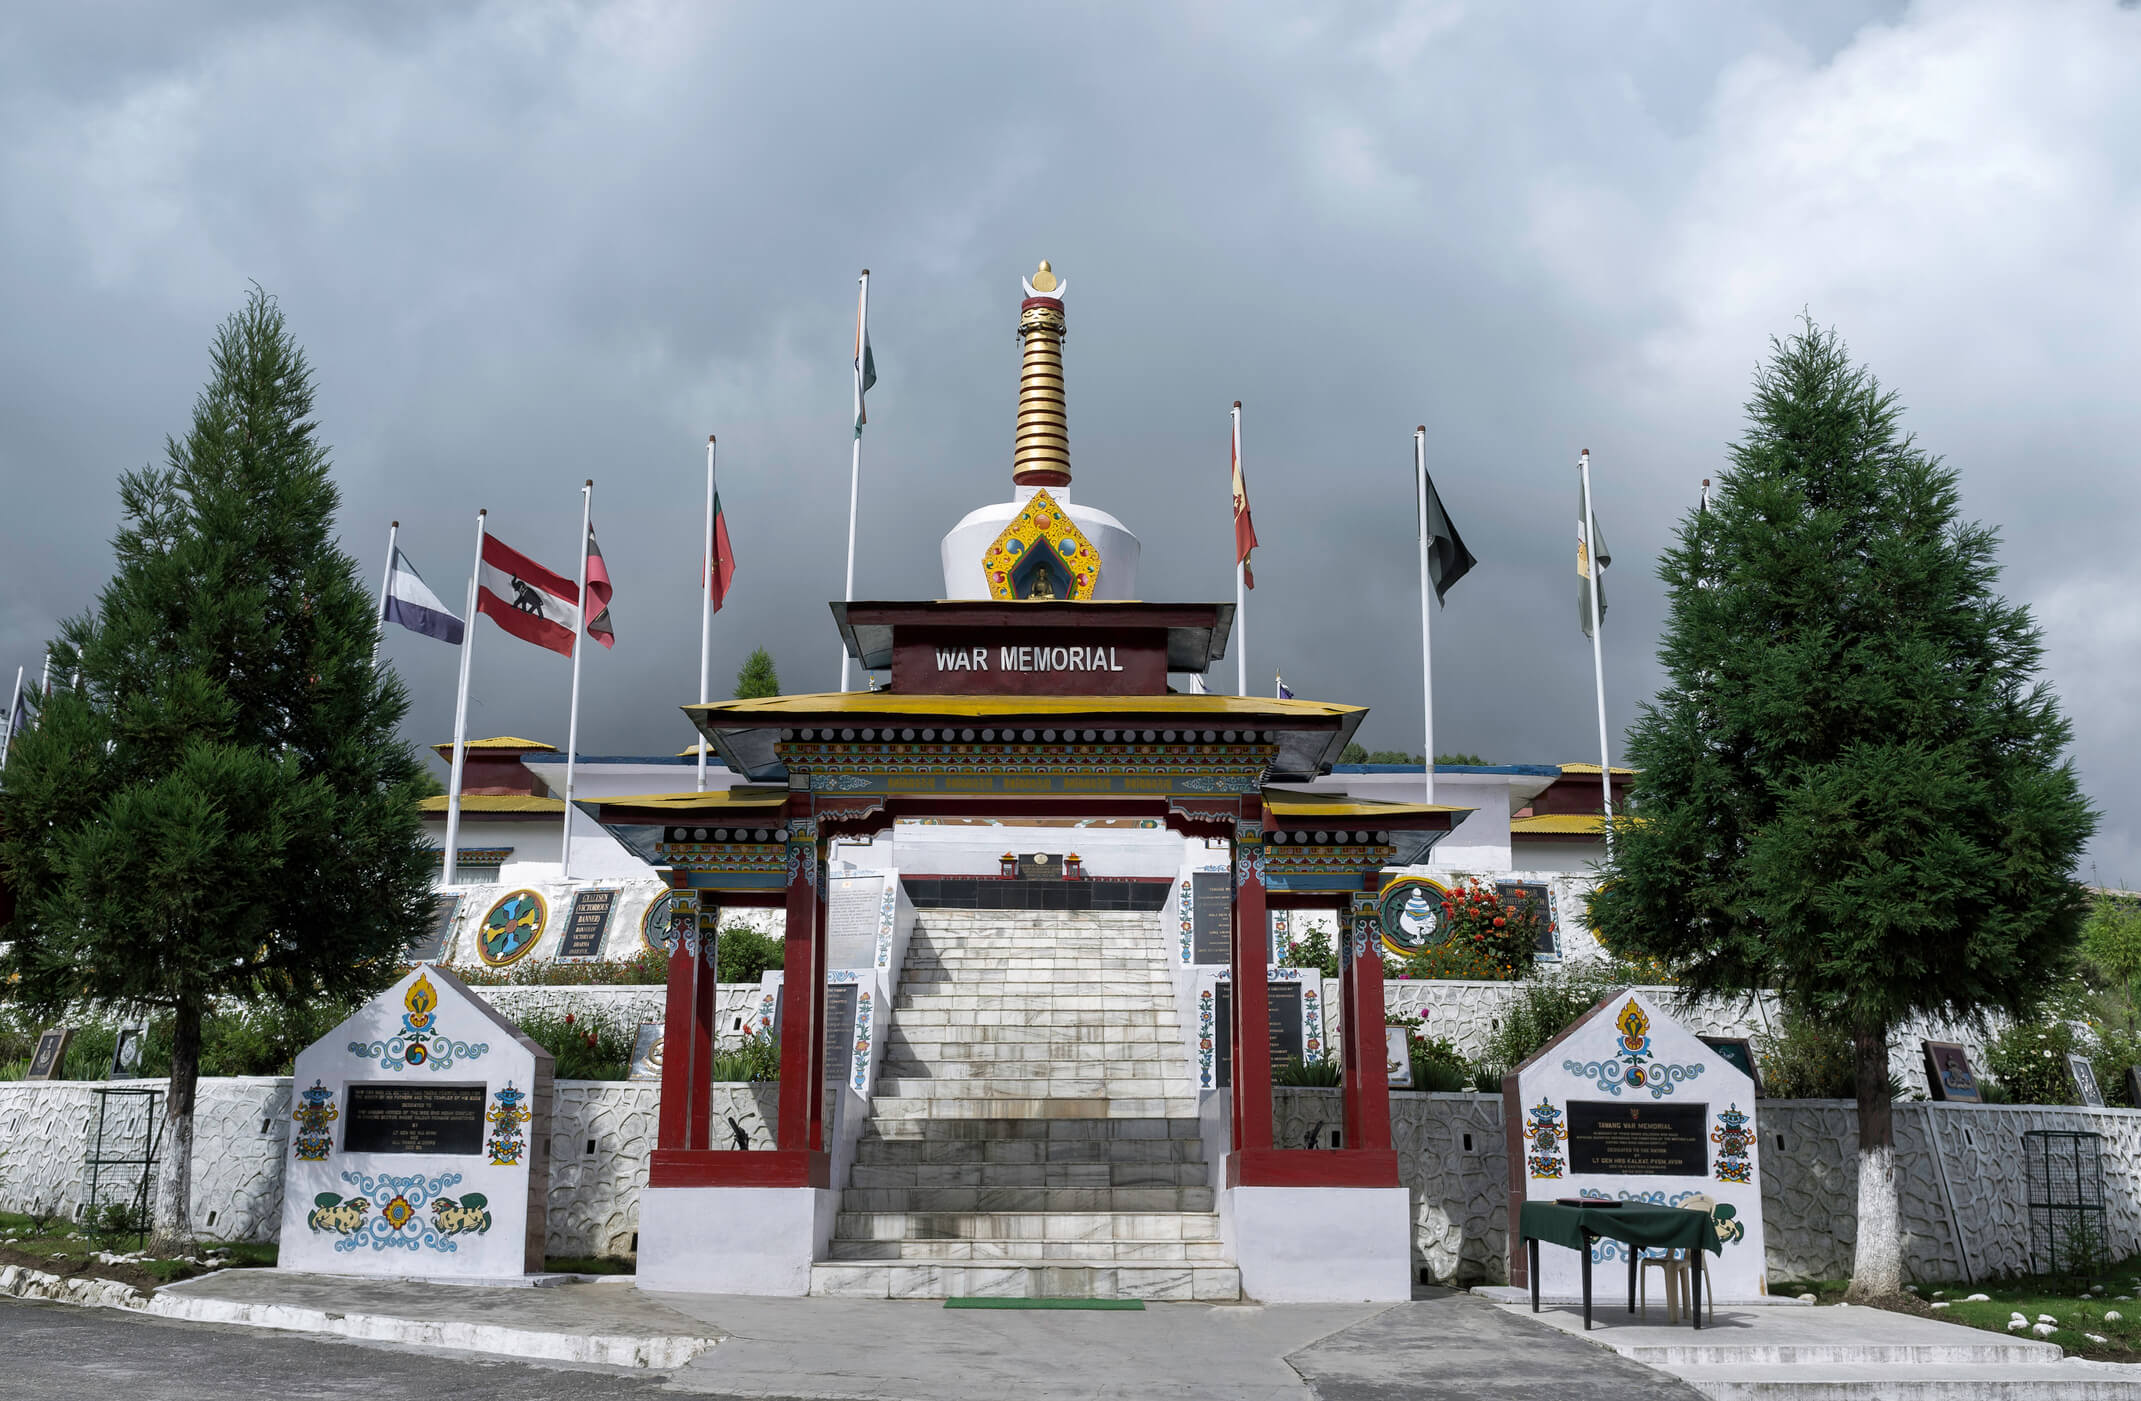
pixel 1485 937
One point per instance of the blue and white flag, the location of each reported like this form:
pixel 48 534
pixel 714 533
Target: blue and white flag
pixel 1282 691
pixel 411 603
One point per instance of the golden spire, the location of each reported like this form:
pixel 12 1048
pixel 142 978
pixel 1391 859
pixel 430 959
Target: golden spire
pixel 1041 450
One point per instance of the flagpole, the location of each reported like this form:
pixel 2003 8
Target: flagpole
pixel 854 479
pixel 572 723
pixel 706 607
pixel 1427 656
pixel 1241 590
pixel 386 581
pixel 1598 656
pixel 460 717
pixel 7 744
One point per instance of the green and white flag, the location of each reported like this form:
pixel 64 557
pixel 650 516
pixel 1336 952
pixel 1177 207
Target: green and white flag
pixel 1584 576
pixel 865 363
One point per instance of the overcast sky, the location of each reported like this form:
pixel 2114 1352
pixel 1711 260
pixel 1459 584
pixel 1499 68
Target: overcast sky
pixel 526 244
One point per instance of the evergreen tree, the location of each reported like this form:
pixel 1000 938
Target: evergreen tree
pixel 218 808
pixel 1853 786
pixel 756 679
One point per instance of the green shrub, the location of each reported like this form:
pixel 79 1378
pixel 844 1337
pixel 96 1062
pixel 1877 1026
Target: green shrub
pixel 2030 1059
pixel 1544 1006
pixel 744 953
pixel 2116 1050
pixel 1315 1073
pixel 584 1045
pixel 1313 950
pixel 1438 1065
pixel 1807 1058
pixel 644 968
pixel 758 1058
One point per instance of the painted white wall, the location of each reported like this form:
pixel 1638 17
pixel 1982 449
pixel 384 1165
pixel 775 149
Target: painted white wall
pixel 969 540
pixel 919 849
pixel 1298 1245
pixel 732 1240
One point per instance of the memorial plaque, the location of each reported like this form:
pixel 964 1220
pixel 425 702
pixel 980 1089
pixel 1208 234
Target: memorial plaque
pixel 851 921
pixel 1397 1056
pixel 646 1061
pixel 839 1032
pixel 1282 1013
pixel 444 1120
pixel 588 923
pixel 49 1060
pixel 126 1053
pixel 1638 1140
pixel 1040 865
pixel 2085 1081
pixel 1738 1052
pixel 432 946
pixel 1212 917
pixel 1542 897
pixel 1948 1073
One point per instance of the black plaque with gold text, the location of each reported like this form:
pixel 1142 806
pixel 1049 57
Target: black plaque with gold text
pixel 1638 1140
pixel 393 1118
pixel 590 920
pixel 1211 908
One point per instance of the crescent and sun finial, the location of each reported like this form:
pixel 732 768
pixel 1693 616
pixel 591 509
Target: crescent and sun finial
pixel 1045 283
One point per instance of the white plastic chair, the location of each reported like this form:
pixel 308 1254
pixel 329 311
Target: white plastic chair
pixel 1673 1267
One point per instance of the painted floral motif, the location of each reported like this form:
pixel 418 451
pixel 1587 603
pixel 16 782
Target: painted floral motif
pixel 1204 1038
pixel 654 926
pixel 315 1111
pixel 399 1224
pixel 887 912
pixel 765 1014
pixel 1041 525
pixel 1633 1065
pixel 1734 1137
pixel 1544 1132
pixel 1311 1019
pixel 419 1042
pixel 861 1077
pixel 1182 912
pixel 507 1142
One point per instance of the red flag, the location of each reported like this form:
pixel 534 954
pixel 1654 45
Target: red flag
pixel 598 592
pixel 526 599
pixel 724 559
pixel 1244 528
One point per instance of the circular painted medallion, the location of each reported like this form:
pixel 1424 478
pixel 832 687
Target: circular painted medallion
pixel 1410 913
pixel 656 927
pixel 512 927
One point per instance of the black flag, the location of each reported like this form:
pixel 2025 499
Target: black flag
pixel 1447 558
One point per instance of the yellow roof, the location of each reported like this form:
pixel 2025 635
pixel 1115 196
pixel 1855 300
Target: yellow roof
pixel 747 799
pixel 1572 769
pixel 1561 824
pixel 493 802
pixel 891 705
pixel 498 742
pixel 1312 807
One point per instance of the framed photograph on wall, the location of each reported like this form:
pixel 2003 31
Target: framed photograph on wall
pixel 1397 1057
pixel 2085 1081
pixel 1948 1073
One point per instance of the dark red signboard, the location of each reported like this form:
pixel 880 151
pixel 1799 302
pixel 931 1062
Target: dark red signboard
pixel 1010 660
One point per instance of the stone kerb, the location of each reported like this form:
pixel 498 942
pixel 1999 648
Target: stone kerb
pixel 422 1140
pixel 1628 1105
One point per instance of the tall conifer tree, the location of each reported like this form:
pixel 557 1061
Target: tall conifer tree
pixel 218 807
pixel 1854 786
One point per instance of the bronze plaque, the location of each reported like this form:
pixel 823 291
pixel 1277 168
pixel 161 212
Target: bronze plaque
pixel 390 1118
pixel 1635 1140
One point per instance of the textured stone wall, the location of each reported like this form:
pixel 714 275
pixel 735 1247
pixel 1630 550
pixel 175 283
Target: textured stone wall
pixel 601 1134
pixel 624 1006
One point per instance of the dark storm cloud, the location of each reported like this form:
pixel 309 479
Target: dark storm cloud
pixel 530 244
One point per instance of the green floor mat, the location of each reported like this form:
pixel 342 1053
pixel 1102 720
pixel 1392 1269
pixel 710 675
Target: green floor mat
pixel 1132 1305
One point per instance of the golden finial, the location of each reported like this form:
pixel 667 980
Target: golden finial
pixel 1045 279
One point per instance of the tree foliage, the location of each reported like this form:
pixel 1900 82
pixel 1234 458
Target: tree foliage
pixel 1853 786
pixel 218 807
pixel 756 678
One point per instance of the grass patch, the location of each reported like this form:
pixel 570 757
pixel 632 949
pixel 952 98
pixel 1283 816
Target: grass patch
pixel 58 1246
pixel 2073 1302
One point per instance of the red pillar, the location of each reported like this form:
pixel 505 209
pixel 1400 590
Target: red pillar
pixel 1252 996
pixel 1367 1092
pixel 706 981
pixel 803 995
pixel 683 1058
pixel 1349 1040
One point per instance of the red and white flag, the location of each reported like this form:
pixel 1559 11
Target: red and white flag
pixel 598 593
pixel 1244 528
pixel 527 600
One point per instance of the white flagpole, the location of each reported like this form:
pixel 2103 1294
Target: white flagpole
pixel 1241 589
pixel 572 723
pixel 7 742
pixel 706 607
pixel 460 718
pixel 1598 656
pixel 854 480
pixel 44 679
pixel 1427 656
pixel 386 581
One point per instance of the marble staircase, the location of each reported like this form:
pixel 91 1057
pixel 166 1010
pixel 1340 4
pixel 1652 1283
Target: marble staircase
pixel 1032 1134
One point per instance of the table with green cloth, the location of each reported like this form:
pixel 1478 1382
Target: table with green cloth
pixel 1637 1227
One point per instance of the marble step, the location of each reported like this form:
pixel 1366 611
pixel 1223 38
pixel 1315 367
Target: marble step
pixel 1036 980
pixel 994 1014
pixel 888 1109
pixel 1042 1063
pixel 903 1124
pixel 899 1280
pixel 1042 1175
pixel 1112 1200
pixel 959 996
pixel 1029 1150
pixel 979 1039
pixel 1091 1085
pixel 1026 1225
pixel 1057 1252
